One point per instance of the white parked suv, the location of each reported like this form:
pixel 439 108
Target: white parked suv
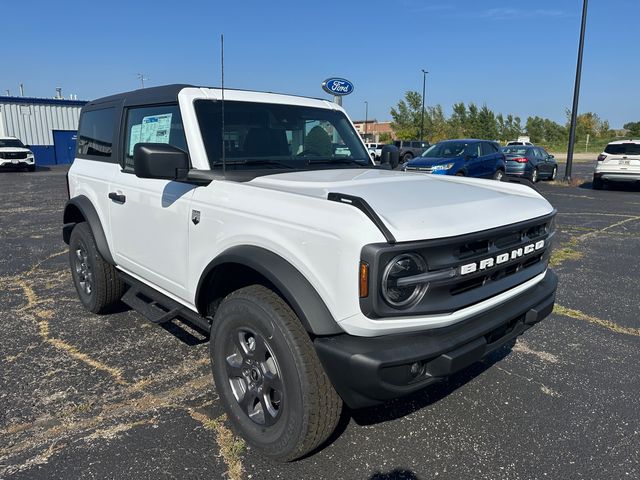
pixel 14 154
pixel 261 219
pixel 376 149
pixel 620 162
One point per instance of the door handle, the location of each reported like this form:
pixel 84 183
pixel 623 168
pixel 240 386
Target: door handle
pixel 117 197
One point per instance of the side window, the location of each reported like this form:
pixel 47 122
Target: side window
pixel 473 149
pixel 95 136
pixel 488 149
pixel 538 153
pixel 157 124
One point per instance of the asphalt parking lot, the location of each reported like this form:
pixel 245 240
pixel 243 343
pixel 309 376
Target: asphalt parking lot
pixel 87 396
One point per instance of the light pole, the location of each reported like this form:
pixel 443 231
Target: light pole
pixel 576 94
pixel 424 82
pixel 366 118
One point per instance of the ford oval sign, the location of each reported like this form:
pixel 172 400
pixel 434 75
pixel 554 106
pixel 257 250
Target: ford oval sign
pixel 337 86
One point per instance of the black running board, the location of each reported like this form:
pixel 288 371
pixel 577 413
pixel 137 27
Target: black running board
pixel 157 307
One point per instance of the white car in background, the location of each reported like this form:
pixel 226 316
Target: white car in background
pixel 14 154
pixel 620 162
pixel 375 149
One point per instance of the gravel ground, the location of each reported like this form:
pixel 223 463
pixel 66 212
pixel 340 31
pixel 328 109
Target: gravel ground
pixel 87 396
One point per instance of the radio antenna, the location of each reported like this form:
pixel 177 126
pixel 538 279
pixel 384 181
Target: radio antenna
pixel 224 167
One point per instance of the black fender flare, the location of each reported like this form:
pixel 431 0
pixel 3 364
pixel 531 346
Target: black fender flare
pixel 290 283
pixel 88 211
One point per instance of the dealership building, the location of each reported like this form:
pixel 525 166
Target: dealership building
pixel 47 125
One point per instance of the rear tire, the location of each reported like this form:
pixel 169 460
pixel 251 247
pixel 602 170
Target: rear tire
pixel 534 175
pixel 498 175
pixel 597 183
pixel 554 174
pixel 97 281
pixel 269 378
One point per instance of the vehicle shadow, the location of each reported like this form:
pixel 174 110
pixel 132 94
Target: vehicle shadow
pixel 620 186
pixel 404 406
pixel 395 474
pixel 430 395
pixel 23 170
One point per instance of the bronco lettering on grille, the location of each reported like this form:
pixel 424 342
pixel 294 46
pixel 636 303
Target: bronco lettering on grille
pixel 502 258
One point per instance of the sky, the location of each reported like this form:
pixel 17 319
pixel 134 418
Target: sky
pixel 517 56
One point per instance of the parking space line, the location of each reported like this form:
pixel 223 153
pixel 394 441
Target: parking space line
pixel 567 250
pixel 231 447
pixel 609 325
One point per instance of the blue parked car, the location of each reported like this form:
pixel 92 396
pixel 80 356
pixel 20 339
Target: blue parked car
pixel 465 157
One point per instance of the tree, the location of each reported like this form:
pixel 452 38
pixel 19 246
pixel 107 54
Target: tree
pixel 588 123
pixel 407 116
pixel 458 121
pixel 634 128
pixel 385 137
pixel 487 127
pixel 436 127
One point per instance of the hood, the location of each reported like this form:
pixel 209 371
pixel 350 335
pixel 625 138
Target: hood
pixel 416 206
pixel 14 149
pixel 431 161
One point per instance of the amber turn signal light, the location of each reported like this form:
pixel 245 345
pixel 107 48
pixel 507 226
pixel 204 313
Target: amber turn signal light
pixel 364 279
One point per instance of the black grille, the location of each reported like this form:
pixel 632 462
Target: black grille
pixel 462 290
pixel 13 155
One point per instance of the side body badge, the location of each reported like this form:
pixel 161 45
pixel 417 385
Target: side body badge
pixel 195 216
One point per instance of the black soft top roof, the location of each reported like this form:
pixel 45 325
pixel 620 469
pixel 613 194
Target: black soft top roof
pixel 143 96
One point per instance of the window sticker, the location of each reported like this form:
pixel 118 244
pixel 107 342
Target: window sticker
pixel 134 138
pixel 154 129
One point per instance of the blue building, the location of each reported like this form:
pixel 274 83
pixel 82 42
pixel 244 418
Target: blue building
pixel 47 125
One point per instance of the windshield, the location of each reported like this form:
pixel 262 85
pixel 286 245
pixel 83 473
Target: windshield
pixel 515 150
pixel 446 150
pixel 264 135
pixel 11 142
pixel 623 149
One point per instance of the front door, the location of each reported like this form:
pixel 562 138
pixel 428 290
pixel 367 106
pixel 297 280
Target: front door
pixel 150 217
pixel 474 160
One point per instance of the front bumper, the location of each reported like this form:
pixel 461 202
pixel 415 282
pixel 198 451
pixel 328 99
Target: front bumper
pixel 367 371
pixel 23 162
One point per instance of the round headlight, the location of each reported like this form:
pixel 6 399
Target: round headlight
pixel 404 265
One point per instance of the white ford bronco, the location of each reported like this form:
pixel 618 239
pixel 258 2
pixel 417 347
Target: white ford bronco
pixel 261 219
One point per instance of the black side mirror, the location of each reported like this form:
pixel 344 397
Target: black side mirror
pixel 552 156
pixel 160 160
pixel 389 157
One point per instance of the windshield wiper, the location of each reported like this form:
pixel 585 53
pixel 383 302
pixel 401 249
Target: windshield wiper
pixel 342 161
pixel 255 161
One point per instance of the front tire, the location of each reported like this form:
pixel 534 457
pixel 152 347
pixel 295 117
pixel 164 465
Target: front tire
pixel 406 157
pixel 269 378
pixel 96 280
pixel 31 168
